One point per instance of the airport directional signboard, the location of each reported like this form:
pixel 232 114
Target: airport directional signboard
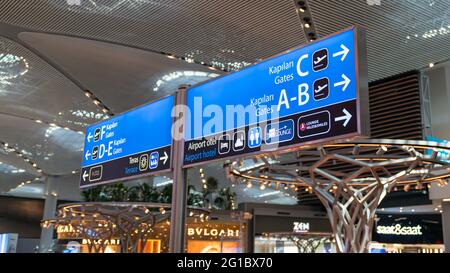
pixel 308 95
pixel 130 145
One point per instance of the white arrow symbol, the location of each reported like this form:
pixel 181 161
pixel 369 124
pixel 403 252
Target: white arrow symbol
pixel 85 174
pixel 89 137
pixel 345 82
pixel 87 155
pixel 347 117
pixel 344 53
pixel 165 157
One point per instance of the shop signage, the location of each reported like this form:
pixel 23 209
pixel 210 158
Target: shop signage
pixel 65 229
pixel 129 145
pixel 100 242
pixel 400 230
pixel 300 227
pixel 225 232
pixel 308 95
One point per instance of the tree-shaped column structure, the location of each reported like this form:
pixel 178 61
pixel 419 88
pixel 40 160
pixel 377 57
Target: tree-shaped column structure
pixel 350 179
pixel 307 242
pixel 131 223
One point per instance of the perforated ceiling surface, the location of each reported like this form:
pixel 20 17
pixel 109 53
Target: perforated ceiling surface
pixel 31 88
pixel 402 35
pixel 231 32
pixel 120 76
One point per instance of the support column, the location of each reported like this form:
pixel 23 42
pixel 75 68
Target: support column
pixel 446 225
pixel 51 198
pixel 179 191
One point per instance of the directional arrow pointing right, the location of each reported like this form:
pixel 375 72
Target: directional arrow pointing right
pixel 346 81
pixel 164 158
pixel 86 156
pixel 347 117
pixel 344 52
pixel 85 174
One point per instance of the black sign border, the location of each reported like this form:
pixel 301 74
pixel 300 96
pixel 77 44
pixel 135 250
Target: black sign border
pixel 362 99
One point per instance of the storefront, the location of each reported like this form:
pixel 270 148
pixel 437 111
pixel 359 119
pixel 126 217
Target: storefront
pixel 407 233
pixel 220 234
pixel 288 229
pixel 214 237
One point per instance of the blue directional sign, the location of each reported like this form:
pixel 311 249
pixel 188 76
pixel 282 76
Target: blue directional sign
pixel 132 144
pixel 311 94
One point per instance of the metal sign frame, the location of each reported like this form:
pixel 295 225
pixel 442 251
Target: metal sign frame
pixel 124 179
pixel 362 100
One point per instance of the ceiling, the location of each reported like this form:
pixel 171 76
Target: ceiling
pixel 130 52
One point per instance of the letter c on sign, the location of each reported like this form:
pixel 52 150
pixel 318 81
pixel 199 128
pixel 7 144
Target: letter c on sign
pixel 299 66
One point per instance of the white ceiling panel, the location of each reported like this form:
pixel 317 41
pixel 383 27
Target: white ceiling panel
pixel 402 35
pixel 55 150
pixel 121 77
pixel 29 87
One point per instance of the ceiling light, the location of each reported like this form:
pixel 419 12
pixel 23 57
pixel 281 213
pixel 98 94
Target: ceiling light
pixel 88 94
pixel 262 187
pixel 431 65
pixel 39 121
pixel 307 25
pixel 249 185
pixel 96 102
pixel 171 57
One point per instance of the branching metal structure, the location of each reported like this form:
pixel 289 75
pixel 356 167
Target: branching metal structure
pixel 350 178
pixel 307 242
pixel 131 223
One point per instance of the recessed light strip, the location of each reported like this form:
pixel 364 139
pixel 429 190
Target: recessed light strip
pixel 305 15
pixel 10 149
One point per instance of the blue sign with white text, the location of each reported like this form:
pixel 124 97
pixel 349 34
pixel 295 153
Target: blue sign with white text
pixel 134 143
pixel 313 90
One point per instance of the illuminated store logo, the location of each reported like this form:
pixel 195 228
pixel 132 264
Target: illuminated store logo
pixel 301 227
pixel 399 230
pixel 213 232
pixel 101 242
pixel 65 229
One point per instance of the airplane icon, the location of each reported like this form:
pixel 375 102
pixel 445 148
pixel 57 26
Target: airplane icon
pixel 321 88
pixel 320 60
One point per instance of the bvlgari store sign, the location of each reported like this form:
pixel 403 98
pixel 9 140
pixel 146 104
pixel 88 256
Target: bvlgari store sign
pixel 220 232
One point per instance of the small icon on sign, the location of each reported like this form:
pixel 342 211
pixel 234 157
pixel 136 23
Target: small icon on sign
pixel 154 158
pixel 279 132
pixel 224 144
pixel 254 137
pixel 97 134
pixel 239 141
pixel 321 89
pixel 95 153
pixel 143 162
pixel 95 173
pixel 302 126
pixel 320 60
